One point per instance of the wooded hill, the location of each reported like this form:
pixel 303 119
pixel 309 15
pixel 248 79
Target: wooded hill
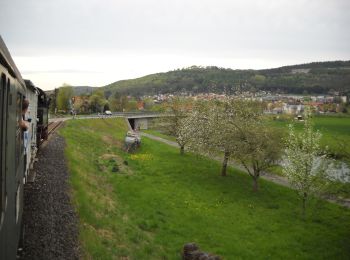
pixel 311 78
pixel 83 90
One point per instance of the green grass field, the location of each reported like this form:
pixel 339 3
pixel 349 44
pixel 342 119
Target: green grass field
pixel 335 133
pixel 148 204
pixel 160 134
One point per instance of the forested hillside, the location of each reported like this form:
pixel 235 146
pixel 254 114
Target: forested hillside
pixel 83 90
pixel 311 78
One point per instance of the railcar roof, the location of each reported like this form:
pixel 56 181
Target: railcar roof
pixel 41 92
pixel 7 61
pixel 31 86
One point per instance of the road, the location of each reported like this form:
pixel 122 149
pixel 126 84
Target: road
pixel 114 115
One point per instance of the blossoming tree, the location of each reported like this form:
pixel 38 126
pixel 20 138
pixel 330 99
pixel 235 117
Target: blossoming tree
pixel 305 164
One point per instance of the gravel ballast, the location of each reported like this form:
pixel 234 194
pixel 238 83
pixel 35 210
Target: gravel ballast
pixel 49 218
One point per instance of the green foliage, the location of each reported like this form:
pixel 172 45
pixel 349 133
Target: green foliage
pixel 149 104
pixel 259 148
pixel 64 96
pixel 131 105
pixel 118 102
pixel 167 200
pixel 53 101
pixel 258 79
pixel 97 101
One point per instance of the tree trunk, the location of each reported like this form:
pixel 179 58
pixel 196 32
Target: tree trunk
pixel 182 149
pixel 224 164
pixel 304 204
pixel 255 184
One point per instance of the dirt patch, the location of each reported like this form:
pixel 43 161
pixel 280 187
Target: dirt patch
pixel 112 141
pixel 107 234
pixel 125 218
pixel 113 163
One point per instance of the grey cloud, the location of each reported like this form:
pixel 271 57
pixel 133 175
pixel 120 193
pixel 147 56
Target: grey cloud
pixel 65 71
pixel 261 28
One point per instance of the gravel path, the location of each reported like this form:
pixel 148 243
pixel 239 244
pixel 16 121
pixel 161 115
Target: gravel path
pixel 160 139
pixel 50 222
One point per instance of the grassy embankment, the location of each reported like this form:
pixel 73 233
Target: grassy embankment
pixel 150 206
pixel 160 134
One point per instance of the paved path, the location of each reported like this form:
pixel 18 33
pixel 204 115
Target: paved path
pixel 113 115
pixel 266 176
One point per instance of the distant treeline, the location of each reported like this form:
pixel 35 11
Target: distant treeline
pixel 311 78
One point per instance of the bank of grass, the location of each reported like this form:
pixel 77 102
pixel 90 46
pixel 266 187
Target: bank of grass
pixel 148 204
pixel 335 139
pixel 335 132
pixel 160 134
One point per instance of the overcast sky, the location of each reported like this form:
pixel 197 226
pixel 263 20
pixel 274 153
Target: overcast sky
pixel 96 42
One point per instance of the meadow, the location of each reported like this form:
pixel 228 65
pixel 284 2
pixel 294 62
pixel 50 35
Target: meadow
pixel 335 132
pixel 160 134
pixel 147 205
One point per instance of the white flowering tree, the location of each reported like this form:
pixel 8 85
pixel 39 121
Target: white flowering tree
pixel 183 132
pixel 218 125
pixel 305 164
pixel 259 148
pixel 175 121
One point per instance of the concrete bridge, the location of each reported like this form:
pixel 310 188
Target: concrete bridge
pixel 140 120
pixel 137 120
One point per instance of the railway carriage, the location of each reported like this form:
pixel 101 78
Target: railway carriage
pixel 30 143
pixel 12 93
pixel 18 147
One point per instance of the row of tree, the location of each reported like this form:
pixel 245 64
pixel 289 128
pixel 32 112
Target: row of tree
pixel 63 99
pixel 232 128
pixel 236 130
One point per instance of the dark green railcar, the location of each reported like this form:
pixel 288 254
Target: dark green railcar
pixel 12 92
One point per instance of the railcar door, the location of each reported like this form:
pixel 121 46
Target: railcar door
pixel 4 229
pixel 3 192
pixel 12 167
pixel 12 91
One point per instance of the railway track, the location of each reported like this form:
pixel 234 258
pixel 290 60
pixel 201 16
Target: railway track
pixel 51 128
